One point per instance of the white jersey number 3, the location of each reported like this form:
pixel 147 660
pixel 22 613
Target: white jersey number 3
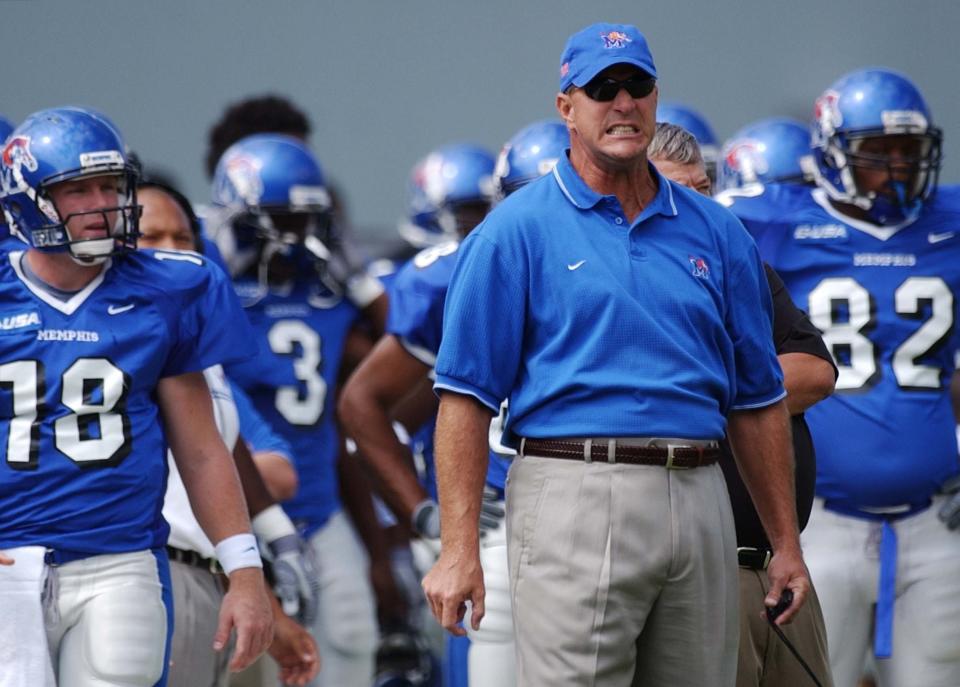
pixel 857 356
pixel 97 432
pixel 302 404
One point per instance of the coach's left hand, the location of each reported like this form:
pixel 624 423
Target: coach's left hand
pixel 455 579
pixel 246 608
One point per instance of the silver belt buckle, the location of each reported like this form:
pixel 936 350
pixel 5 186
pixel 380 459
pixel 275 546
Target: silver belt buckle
pixel 670 456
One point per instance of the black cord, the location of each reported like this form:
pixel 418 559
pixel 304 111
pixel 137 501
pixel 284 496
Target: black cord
pixel 772 613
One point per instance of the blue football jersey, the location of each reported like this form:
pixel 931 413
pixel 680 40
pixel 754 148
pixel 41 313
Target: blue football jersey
pixel 84 453
pixel 417 298
pixel 292 385
pixel 885 299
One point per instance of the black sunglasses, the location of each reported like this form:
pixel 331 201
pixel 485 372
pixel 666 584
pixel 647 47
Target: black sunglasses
pixel 604 89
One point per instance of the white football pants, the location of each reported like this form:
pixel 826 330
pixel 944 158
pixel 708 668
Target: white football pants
pixel 109 626
pixel 842 554
pixel 492 661
pixel 346 626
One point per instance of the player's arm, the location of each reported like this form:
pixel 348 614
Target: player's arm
pixel 760 438
pixel 278 474
pixel 375 314
pixel 807 379
pixel 384 378
pixel 358 501
pixel 5 559
pixel 270 451
pixel 955 395
pixel 294 570
pixel 212 485
pixel 255 490
pixel 461 455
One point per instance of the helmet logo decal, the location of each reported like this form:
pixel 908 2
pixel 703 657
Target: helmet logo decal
pixel 615 39
pixel 244 174
pixel 16 155
pixel 826 112
pixel 746 157
pixel 431 177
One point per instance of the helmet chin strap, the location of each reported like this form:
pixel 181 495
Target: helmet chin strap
pixel 91 251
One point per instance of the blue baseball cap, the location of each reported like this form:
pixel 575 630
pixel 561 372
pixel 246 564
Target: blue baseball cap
pixel 591 50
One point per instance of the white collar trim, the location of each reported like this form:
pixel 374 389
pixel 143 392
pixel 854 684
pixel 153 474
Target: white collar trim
pixel 879 232
pixel 67 307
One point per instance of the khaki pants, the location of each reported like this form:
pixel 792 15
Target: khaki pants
pixel 196 612
pixel 764 660
pixel 621 575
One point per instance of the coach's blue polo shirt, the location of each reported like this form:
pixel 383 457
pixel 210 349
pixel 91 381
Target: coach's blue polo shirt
pixel 593 326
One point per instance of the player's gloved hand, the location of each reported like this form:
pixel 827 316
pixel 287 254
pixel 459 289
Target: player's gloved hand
pixel 949 512
pixel 426 519
pixel 491 510
pixel 297 581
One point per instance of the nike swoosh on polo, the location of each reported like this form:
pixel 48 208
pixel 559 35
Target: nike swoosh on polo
pixel 117 309
pixel 575 266
pixel 937 238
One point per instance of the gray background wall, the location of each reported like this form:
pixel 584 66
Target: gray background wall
pixel 385 81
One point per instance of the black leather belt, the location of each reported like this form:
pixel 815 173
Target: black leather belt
pixel 195 560
pixel 753 558
pixel 677 457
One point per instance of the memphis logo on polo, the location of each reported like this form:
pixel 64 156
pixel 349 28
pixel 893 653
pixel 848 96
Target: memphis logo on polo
pixel 615 39
pixel 16 155
pixel 701 269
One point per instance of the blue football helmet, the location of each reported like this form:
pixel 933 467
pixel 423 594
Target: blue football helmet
pixel 403 661
pixel 696 124
pixel 871 107
pixel 766 151
pixel 6 126
pixel 529 154
pixel 270 201
pixel 66 144
pixel 446 186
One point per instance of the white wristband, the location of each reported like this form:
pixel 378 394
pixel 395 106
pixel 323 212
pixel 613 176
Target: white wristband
pixel 272 523
pixel 238 551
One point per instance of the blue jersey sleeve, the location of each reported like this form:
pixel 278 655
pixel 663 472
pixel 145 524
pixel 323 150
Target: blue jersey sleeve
pixel 483 326
pixel 211 327
pixel 417 301
pixel 258 434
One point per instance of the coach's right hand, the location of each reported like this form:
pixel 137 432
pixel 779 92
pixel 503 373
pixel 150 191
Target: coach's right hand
pixel 245 607
pixel 455 579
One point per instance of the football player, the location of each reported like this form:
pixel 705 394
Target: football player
pixel 870 253
pixel 167 222
pixel 100 369
pixel 278 239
